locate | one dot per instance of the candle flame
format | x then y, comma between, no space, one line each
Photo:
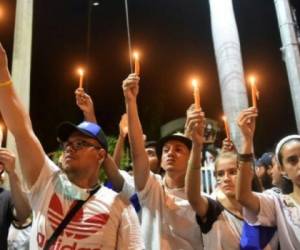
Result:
136,55
80,71
252,80
195,83
224,118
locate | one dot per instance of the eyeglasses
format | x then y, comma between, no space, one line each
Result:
77,145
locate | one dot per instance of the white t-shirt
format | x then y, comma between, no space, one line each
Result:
282,211
18,238
222,230
128,188
104,222
168,220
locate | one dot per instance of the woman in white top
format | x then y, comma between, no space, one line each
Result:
271,209
221,219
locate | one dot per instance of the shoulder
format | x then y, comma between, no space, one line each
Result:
214,210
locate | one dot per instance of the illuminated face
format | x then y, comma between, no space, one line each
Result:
81,155
291,161
226,175
153,160
175,156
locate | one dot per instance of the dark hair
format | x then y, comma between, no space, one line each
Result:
286,185
279,154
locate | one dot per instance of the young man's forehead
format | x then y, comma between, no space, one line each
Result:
174,143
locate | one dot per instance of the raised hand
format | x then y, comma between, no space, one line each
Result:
7,161
246,122
4,72
123,125
195,125
227,146
84,101
131,87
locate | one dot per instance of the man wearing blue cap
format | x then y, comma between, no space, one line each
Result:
70,208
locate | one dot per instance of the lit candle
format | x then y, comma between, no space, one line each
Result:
226,127
1,134
254,92
196,93
81,74
136,63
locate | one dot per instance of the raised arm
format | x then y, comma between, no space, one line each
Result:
19,198
119,148
30,151
195,128
246,121
141,169
85,103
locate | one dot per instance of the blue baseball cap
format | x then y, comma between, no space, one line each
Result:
93,130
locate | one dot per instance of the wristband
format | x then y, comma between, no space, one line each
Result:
245,157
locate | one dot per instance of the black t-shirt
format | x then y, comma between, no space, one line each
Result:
214,210
6,216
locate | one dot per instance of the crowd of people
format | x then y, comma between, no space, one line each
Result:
158,204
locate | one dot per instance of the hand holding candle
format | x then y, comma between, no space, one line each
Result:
136,63
81,74
254,91
196,94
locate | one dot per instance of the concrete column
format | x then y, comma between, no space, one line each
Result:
21,64
290,51
229,63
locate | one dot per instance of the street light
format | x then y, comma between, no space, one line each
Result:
91,3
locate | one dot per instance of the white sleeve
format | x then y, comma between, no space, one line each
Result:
267,211
48,170
128,188
151,191
130,236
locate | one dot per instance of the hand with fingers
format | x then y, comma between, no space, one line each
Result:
227,146
123,125
4,72
7,161
247,121
187,131
84,101
195,125
131,87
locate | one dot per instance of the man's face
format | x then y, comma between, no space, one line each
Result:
175,156
153,160
82,154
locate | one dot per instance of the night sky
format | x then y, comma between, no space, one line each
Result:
175,40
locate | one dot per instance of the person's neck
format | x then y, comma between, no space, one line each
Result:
296,193
174,180
231,204
81,182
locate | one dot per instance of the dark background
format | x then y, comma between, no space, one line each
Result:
175,40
